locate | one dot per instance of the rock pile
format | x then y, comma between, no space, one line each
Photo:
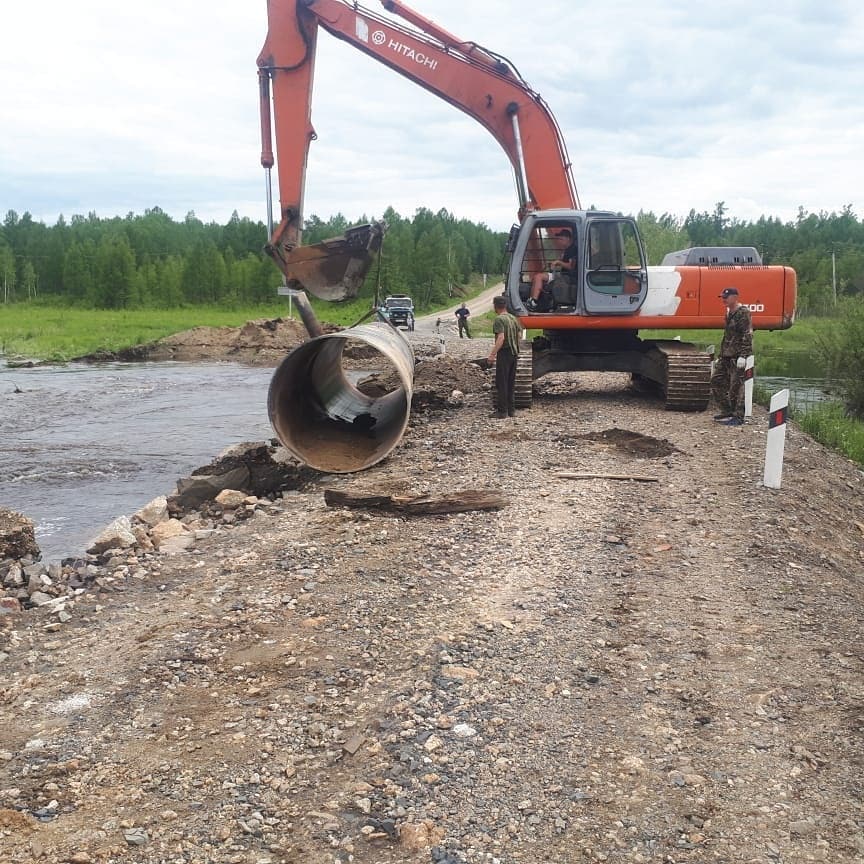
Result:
240,481
17,535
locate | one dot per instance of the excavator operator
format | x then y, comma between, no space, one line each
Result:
566,245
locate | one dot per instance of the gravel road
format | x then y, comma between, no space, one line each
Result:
662,670
479,305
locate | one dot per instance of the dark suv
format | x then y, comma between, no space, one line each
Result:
399,309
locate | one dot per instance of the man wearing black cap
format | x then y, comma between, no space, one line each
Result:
727,382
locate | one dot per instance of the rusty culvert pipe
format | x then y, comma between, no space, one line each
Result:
321,417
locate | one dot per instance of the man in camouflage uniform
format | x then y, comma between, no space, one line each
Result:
727,382
505,351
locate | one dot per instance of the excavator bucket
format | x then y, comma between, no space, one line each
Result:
333,269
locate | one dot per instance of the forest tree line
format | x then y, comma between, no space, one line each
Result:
152,260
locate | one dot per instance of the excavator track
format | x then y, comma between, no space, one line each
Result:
524,375
524,378
687,375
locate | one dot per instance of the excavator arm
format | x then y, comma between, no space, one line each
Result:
474,80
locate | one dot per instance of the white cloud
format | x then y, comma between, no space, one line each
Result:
665,106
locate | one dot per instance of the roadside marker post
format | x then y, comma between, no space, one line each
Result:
442,344
749,374
285,291
775,440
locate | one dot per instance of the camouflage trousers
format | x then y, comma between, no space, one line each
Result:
727,388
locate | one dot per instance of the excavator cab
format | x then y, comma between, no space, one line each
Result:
610,274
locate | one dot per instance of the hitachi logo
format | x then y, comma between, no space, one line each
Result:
417,56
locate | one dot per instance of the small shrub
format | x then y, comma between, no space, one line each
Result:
842,351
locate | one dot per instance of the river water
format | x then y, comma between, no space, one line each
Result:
82,444
804,393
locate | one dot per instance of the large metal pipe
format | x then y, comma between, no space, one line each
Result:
321,417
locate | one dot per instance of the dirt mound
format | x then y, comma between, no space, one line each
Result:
632,442
443,371
260,343
435,380
263,342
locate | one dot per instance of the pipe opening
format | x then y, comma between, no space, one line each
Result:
323,412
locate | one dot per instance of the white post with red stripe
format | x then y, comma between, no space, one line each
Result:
775,441
749,374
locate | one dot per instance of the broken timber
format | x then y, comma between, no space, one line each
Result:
417,505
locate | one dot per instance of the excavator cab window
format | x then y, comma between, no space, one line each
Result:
614,259
616,278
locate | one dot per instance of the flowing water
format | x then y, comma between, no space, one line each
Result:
82,444
804,393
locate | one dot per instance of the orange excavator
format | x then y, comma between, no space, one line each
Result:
590,312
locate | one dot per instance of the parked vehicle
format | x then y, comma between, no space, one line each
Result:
399,310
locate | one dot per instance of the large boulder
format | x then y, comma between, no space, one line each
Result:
254,468
154,512
271,468
193,491
17,535
164,531
117,535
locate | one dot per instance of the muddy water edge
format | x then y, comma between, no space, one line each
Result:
81,444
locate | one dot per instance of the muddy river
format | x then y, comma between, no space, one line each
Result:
81,444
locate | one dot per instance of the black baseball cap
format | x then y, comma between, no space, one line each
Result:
562,231
728,292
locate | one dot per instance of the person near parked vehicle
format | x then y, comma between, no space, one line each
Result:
727,382
504,353
565,262
462,314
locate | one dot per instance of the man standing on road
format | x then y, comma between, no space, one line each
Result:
462,314
727,382
504,353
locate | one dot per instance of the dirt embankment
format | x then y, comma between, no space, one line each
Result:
262,343
604,670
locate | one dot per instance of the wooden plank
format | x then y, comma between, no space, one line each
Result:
417,505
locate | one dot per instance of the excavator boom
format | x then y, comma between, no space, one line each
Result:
473,79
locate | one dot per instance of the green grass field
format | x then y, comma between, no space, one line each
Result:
790,353
55,333
43,332
51,333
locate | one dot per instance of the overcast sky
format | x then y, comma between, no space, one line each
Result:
665,106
